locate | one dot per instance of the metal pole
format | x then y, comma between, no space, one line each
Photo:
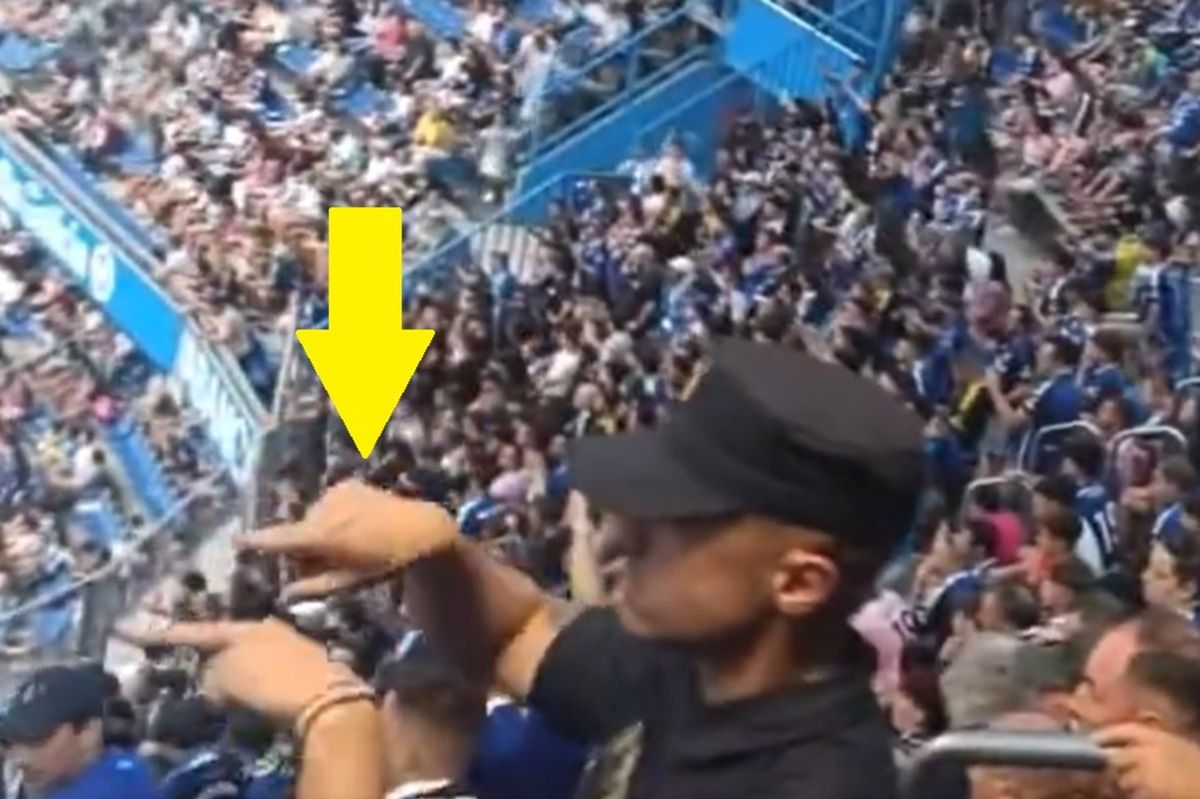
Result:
1021,749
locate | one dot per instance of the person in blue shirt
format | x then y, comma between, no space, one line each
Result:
1174,479
1172,573
1083,462
1058,399
53,729
1166,309
186,736
1102,373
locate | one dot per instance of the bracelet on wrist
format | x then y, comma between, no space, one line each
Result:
334,697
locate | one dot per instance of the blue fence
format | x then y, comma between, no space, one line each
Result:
574,99
115,272
786,54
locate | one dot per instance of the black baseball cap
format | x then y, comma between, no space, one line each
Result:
773,432
52,697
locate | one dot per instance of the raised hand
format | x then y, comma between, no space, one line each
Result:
355,534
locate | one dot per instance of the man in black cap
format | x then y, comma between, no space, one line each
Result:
750,526
53,732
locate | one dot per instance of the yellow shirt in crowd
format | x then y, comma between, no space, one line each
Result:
434,131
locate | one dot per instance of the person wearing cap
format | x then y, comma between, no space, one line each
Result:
53,732
749,527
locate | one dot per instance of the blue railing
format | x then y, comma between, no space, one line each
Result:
800,59
574,99
504,232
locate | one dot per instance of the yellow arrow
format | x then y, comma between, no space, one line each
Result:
366,358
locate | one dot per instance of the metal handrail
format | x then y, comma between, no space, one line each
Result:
568,77
1022,749
1146,431
1032,445
110,568
562,135
1017,478
501,217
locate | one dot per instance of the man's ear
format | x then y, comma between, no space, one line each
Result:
803,581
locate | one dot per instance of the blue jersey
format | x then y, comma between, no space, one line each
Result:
116,774
1098,512
1056,401
1174,301
208,775
1169,525
1102,382
933,376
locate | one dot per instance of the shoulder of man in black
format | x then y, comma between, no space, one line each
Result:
824,740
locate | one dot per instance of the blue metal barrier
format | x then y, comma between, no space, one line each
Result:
506,232
575,99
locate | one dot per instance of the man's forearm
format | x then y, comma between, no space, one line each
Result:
343,755
493,620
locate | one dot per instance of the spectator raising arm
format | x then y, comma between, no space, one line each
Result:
492,619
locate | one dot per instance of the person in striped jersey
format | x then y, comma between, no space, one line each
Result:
1083,462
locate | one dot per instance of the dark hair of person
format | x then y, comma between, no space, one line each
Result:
119,723
1185,552
1111,343
1178,471
434,692
194,581
1065,527
1058,488
250,731
1017,601
1173,675
1086,452
1066,352
1074,575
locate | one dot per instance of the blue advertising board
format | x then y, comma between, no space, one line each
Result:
108,275
210,380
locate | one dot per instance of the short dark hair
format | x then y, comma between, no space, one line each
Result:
1185,551
1066,351
194,581
1058,488
1179,472
1018,603
434,692
1086,452
1166,630
1110,342
1065,526
1074,575
1173,675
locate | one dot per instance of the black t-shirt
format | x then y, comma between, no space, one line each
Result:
824,740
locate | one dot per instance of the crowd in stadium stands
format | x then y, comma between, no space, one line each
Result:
254,117
93,446
1062,590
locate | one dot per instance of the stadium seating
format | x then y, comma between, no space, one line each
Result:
135,454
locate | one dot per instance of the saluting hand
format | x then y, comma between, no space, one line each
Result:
353,535
1151,764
